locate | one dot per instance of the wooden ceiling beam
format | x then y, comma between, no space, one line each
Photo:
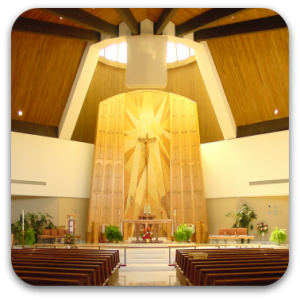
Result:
54,29
85,19
246,27
34,128
263,127
206,19
164,19
129,19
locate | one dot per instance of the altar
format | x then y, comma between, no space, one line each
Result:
140,223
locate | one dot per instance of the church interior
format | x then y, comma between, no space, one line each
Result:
144,120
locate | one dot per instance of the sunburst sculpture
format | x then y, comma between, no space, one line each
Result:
147,164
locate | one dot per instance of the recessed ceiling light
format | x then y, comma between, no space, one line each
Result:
276,111
20,113
61,18
232,17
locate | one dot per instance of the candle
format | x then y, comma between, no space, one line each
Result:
174,212
22,219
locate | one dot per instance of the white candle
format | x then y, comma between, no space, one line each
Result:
22,219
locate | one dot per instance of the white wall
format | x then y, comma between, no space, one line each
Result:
65,166
229,166
218,208
34,205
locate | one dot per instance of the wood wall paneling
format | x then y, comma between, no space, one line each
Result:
42,61
109,81
254,71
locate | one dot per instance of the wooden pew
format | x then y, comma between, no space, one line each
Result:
85,278
90,272
226,254
201,277
115,261
227,263
183,257
180,253
245,282
195,280
65,262
99,272
210,278
51,281
234,259
192,262
108,260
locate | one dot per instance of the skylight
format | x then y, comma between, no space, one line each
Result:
182,52
171,52
122,53
175,52
111,52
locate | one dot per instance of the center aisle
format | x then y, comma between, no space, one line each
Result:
147,275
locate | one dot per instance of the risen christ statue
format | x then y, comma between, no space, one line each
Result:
147,141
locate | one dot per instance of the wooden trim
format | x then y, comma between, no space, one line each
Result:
263,127
246,27
54,29
206,19
164,19
85,19
129,19
33,128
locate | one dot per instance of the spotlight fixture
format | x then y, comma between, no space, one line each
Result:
20,113
276,111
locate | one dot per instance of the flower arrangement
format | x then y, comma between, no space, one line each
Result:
69,239
262,227
147,233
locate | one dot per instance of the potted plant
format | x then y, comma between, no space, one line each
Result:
29,236
183,233
113,234
242,217
278,235
35,221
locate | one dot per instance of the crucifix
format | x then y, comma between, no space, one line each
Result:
147,141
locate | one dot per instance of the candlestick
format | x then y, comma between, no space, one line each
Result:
22,219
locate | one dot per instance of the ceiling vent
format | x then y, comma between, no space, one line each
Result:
28,182
275,181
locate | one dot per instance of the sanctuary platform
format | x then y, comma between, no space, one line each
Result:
156,254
